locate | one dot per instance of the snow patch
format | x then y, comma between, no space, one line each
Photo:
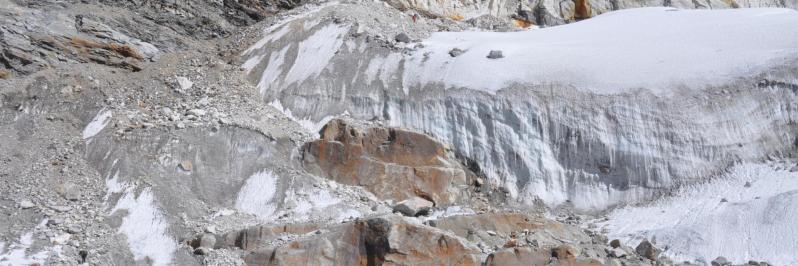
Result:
449,211
757,221
257,195
272,71
97,124
144,225
271,34
316,52
17,254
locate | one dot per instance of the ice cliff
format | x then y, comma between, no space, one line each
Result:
598,112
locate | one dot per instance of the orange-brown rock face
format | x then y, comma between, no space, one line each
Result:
528,256
503,223
378,241
392,163
582,10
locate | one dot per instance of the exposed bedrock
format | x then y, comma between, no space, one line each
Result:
376,241
395,240
553,142
392,163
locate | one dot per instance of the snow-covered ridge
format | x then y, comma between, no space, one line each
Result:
653,48
599,112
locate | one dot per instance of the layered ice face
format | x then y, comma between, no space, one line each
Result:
616,109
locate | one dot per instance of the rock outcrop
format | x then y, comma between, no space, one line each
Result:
536,256
392,163
376,241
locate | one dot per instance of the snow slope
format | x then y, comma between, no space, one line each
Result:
653,48
758,221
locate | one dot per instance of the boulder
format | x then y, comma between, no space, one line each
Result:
183,83
402,37
495,54
394,164
647,250
26,204
201,251
615,243
563,253
372,242
617,252
455,52
413,206
186,166
69,191
207,241
720,261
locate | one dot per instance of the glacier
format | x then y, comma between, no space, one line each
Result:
597,113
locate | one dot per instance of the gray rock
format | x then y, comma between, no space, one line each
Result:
401,37
60,208
69,191
197,112
747,184
26,204
201,251
210,229
617,253
74,229
207,241
495,54
647,250
455,52
413,207
720,261
183,83
794,169
186,166
532,242
615,243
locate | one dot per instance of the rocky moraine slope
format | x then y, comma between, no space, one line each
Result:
501,132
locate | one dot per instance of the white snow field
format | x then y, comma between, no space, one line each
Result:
652,48
758,221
